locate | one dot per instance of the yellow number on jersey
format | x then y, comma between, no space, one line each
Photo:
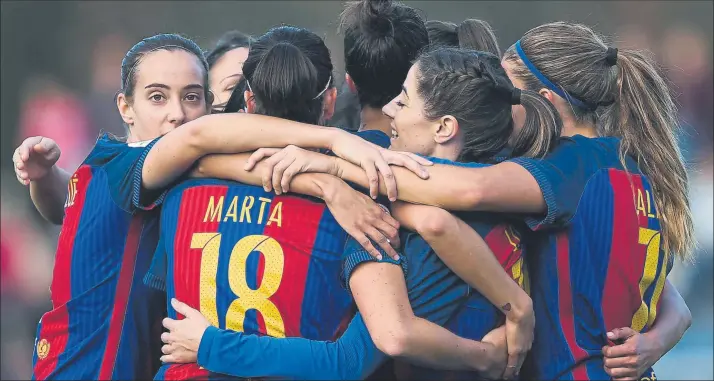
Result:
646,315
248,299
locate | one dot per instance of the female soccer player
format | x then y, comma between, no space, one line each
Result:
225,66
103,317
460,109
120,179
612,195
469,34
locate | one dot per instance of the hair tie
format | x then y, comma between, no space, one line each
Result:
611,57
515,96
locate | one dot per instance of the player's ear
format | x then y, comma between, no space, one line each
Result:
328,103
446,129
547,94
350,83
125,109
249,101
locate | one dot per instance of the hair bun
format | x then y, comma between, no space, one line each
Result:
376,19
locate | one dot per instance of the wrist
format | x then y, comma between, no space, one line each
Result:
521,308
656,342
330,135
478,356
327,186
48,177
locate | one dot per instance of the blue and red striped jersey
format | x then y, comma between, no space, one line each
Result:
104,321
596,262
252,262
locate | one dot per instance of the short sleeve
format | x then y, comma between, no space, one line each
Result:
355,255
124,175
562,177
156,276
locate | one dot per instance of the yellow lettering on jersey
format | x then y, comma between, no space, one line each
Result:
640,203
210,244
276,215
232,210
71,191
649,205
213,210
245,209
263,202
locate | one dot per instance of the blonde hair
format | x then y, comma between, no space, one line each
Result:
627,98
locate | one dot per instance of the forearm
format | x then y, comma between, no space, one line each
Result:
226,133
230,167
50,193
504,187
469,257
433,346
352,357
381,296
673,320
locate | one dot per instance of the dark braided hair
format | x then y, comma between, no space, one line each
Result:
472,87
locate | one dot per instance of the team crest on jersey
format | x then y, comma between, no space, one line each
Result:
43,349
71,191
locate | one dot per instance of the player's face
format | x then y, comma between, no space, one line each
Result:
518,112
411,131
169,92
225,74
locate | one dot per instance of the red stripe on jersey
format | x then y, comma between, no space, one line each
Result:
621,295
300,224
187,265
54,333
121,298
505,245
185,372
565,304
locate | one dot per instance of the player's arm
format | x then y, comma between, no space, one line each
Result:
466,253
49,194
35,165
673,320
380,291
177,151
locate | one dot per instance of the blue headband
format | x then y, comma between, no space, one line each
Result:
550,85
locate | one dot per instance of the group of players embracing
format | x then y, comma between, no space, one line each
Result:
497,216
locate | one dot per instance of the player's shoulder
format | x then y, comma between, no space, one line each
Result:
108,147
375,137
438,160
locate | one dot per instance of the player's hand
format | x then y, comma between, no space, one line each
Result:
498,355
184,336
374,159
629,360
281,165
363,219
519,336
34,158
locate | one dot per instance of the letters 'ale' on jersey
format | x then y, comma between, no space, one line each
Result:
251,262
597,260
104,321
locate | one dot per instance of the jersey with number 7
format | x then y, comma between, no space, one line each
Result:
597,260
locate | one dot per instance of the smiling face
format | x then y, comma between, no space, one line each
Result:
411,130
225,74
169,92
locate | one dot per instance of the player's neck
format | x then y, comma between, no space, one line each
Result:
572,127
374,119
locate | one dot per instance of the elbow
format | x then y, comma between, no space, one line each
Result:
435,224
393,342
686,317
473,196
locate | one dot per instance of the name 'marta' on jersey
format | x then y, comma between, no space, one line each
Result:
604,267
252,262
102,314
